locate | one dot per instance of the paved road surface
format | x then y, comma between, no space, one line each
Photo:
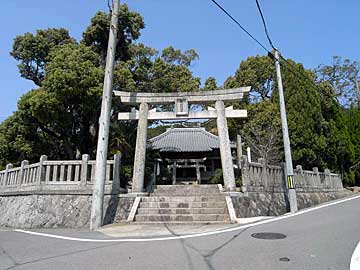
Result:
320,239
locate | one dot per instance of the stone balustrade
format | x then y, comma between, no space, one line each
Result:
58,177
259,176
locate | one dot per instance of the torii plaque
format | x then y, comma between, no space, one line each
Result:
181,101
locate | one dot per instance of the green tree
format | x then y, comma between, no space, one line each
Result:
257,72
64,107
261,131
318,133
147,71
352,118
32,51
97,33
343,76
210,84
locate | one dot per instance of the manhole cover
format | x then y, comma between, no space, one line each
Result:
269,235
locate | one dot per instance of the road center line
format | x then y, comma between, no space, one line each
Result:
286,216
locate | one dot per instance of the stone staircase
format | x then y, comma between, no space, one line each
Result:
183,204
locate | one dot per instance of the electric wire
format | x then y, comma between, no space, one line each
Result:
109,6
264,23
291,68
241,27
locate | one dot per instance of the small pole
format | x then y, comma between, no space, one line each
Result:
289,173
116,174
238,150
174,173
84,168
248,152
104,124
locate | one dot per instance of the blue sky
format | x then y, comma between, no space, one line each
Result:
308,31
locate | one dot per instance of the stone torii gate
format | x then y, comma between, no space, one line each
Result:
181,100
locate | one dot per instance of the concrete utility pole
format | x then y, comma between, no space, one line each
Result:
104,124
289,173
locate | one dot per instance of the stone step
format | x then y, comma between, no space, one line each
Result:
184,199
179,223
185,190
182,204
188,218
180,211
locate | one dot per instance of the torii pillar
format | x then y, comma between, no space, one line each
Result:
140,150
225,149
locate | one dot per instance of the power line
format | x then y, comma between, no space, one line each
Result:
291,68
241,27
264,23
109,6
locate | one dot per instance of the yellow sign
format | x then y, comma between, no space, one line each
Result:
290,181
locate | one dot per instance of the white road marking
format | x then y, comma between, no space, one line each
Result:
286,216
355,258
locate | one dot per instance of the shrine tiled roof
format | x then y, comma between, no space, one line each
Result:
185,140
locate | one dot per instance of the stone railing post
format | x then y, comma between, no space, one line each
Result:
22,169
116,172
263,178
8,167
328,182
41,171
84,168
317,180
300,177
245,178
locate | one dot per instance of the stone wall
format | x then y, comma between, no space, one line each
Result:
52,211
255,204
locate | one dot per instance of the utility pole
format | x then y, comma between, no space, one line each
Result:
104,124
289,172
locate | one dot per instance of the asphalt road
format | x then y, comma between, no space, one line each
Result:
320,239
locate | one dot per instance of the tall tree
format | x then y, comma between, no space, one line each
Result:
344,78
147,71
210,84
97,33
65,108
33,50
318,134
257,71
261,131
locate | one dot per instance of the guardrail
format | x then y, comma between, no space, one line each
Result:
57,176
259,176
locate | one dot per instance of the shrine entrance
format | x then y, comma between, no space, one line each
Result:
188,155
181,102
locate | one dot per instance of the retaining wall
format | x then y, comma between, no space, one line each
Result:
53,211
255,204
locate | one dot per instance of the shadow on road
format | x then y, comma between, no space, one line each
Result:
206,256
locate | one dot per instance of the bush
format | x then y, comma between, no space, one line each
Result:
217,178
